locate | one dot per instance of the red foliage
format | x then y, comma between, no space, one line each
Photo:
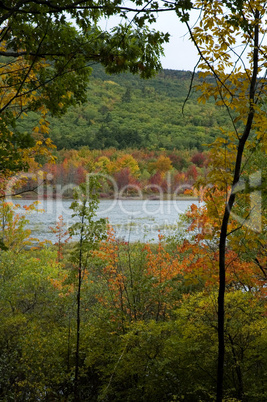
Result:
178,162
157,183
124,178
199,159
192,173
80,175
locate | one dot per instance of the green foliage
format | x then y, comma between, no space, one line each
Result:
90,233
89,230
14,233
123,111
126,351
46,50
33,342
140,323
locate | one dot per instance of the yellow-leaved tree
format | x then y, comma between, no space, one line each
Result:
229,37
18,150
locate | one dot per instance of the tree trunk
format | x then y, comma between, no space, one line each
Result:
227,212
78,319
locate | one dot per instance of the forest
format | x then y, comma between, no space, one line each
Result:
147,312
92,317
125,111
125,173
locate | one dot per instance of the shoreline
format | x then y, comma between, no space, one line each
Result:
166,197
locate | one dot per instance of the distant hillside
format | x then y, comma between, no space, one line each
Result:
124,111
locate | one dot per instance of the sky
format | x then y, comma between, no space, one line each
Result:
180,53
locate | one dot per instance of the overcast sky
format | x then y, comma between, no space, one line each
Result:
180,53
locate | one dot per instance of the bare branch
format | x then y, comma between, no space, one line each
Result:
191,85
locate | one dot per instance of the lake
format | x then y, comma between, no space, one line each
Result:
132,220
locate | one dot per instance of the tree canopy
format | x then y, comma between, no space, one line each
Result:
46,50
120,112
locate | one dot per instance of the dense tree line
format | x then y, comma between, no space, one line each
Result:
124,111
129,172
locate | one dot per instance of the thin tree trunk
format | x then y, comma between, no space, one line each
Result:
78,320
227,212
77,354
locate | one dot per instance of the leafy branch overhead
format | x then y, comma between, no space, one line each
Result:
46,52
46,32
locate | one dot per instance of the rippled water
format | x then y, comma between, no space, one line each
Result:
132,220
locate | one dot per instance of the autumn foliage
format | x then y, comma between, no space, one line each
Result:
140,289
129,171
150,306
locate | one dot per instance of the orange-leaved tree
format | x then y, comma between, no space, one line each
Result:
201,255
62,235
140,280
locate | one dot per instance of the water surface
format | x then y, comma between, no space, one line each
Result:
132,220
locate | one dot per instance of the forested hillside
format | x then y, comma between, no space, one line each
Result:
126,111
94,317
